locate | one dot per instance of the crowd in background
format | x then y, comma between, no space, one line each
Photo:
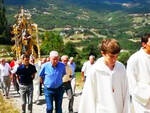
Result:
9,72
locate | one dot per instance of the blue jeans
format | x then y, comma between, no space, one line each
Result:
56,95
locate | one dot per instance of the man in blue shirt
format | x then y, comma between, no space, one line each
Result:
51,75
25,74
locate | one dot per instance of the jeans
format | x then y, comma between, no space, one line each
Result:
68,90
56,95
26,93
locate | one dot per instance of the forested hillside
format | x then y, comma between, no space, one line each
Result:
85,23
131,6
113,18
86,13
4,34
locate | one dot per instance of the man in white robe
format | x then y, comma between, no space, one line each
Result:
86,67
36,82
106,88
138,72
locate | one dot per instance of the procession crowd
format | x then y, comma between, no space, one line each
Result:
109,86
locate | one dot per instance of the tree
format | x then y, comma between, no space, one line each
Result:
51,41
91,49
70,50
4,33
123,57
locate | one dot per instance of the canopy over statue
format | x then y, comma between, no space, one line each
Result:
25,35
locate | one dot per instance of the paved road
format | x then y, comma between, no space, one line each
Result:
41,108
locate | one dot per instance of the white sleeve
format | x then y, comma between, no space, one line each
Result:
132,74
8,66
14,69
88,97
84,67
126,97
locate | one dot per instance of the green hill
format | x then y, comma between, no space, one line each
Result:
86,13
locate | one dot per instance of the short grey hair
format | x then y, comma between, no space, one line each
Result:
64,56
91,56
53,54
3,59
71,58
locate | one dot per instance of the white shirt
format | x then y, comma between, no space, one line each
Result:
86,68
105,91
5,69
13,71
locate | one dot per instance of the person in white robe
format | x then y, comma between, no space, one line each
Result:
86,67
106,88
138,73
36,82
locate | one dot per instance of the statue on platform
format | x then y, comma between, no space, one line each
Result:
25,35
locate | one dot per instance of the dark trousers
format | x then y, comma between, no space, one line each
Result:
56,95
40,89
15,83
68,90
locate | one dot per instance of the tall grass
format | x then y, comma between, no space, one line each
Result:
79,82
6,106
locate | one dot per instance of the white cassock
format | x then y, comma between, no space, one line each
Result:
36,84
138,73
105,91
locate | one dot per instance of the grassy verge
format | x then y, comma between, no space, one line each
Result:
6,106
79,82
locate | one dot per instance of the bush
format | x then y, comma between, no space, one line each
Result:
123,57
69,49
51,41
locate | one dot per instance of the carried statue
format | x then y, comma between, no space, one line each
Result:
25,35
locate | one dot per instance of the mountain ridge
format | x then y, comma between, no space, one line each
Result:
131,6
103,14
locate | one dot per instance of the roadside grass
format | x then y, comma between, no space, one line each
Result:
79,82
6,106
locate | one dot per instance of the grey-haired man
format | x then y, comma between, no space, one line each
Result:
51,74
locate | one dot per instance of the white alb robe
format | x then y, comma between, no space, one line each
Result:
105,91
138,73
